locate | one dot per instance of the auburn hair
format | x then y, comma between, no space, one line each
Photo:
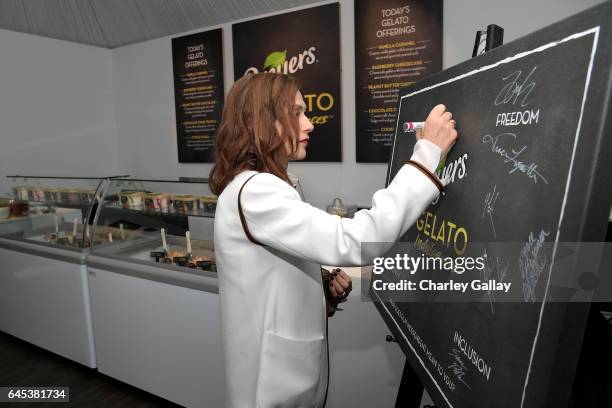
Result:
248,137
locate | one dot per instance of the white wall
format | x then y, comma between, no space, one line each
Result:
56,107
518,18
72,109
144,98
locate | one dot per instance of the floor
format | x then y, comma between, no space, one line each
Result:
23,364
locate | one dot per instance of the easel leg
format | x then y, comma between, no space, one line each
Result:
410,390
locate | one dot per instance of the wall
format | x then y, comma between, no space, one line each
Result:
68,108
144,98
56,107
518,18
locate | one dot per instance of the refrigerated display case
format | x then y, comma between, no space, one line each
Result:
154,292
44,209
161,223
44,240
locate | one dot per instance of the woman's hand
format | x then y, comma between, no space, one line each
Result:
439,129
340,285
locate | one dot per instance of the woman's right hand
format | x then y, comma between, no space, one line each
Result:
439,129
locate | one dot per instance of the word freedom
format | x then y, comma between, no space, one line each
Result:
517,118
450,286
413,264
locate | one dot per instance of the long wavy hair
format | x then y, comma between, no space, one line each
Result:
248,137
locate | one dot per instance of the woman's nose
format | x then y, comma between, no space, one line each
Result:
309,126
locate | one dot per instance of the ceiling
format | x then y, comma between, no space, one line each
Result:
113,23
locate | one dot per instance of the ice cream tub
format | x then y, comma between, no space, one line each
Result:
208,203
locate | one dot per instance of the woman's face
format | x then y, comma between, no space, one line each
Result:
306,127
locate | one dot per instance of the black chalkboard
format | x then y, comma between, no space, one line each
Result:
542,176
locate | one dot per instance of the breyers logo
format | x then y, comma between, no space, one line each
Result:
454,170
448,173
277,61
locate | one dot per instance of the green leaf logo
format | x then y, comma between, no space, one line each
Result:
274,59
441,165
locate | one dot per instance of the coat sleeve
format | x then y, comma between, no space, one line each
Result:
276,216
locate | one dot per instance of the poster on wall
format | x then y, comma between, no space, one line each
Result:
198,93
397,43
305,44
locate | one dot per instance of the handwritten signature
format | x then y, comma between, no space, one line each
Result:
489,203
493,269
458,366
513,90
532,261
530,170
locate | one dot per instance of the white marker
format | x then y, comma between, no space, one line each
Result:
87,230
74,227
163,235
110,237
412,126
121,232
188,237
56,225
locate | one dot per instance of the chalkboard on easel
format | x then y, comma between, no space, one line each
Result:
532,166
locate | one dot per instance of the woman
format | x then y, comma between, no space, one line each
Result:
269,244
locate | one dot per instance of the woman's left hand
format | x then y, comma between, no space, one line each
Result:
340,285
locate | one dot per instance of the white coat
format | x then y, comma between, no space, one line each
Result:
272,302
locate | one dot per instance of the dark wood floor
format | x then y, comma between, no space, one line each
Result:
23,364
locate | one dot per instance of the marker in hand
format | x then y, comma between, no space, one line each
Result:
413,126
410,127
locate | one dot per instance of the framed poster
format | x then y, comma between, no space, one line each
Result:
305,44
397,43
198,93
